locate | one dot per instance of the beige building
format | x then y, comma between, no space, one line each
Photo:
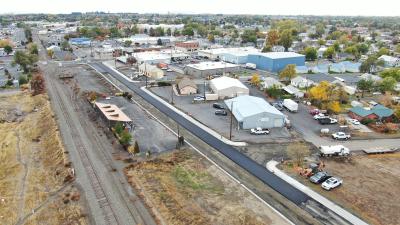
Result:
187,86
151,71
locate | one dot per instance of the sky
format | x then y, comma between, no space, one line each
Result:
263,7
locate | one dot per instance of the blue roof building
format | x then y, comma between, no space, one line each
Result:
80,41
381,112
276,61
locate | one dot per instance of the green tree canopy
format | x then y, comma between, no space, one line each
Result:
310,53
288,73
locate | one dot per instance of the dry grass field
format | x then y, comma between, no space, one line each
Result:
185,188
35,172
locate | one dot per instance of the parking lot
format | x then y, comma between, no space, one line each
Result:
205,113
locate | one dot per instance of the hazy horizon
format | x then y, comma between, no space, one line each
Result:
249,7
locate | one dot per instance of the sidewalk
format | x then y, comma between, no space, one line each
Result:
202,126
271,166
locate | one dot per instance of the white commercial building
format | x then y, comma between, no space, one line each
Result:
152,57
232,55
227,87
204,69
251,112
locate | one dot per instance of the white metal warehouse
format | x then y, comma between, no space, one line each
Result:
227,87
251,112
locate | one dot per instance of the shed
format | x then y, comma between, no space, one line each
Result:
227,87
187,86
251,112
294,91
269,82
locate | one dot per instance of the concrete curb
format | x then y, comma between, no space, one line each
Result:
202,126
271,166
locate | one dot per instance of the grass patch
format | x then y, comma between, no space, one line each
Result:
195,180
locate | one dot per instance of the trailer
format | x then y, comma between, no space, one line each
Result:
290,105
379,150
334,150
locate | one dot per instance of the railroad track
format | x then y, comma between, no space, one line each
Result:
101,197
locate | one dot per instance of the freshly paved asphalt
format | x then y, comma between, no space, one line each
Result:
240,159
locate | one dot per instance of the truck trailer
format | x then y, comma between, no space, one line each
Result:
290,105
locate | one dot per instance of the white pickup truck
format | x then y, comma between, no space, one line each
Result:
341,136
259,131
334,150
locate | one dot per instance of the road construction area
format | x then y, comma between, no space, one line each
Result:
186,189
370,186
36,176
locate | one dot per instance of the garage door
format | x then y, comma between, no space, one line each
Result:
278,123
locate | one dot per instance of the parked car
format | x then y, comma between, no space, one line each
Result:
314,112
259,131
218,106
331,183
327,120
278,106
354,121
341,136
320,177
221,112
169,70
198,98
320,116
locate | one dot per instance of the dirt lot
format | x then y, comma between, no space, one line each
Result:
370,187
187,189
35,172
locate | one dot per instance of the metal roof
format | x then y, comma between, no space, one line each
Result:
246,106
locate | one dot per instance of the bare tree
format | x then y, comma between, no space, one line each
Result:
297,151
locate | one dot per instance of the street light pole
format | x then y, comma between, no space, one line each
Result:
172,93
230,127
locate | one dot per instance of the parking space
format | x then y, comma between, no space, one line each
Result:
205,113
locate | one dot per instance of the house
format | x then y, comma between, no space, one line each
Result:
321,51
269,82
390,61
378,112
251,112
227,87
80,41
276,61
368,76
187,86
294,91
151,71
301,82
302,69
321,68
204,69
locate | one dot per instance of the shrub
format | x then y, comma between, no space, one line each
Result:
118,128
23,80
367,121
125,138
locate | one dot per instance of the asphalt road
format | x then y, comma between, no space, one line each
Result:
242,160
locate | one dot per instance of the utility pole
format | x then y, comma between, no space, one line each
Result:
204,90
172,93
230,127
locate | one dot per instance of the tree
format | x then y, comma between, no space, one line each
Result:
398,48
211,38
188,31
320,29
118,128
127,43
362,48
159,32
387,84
152,32
288,73
33,49
8,49
169,32
22,80
125,138
249,36
311,53
352,50
159,42
286,39
370,64
319,94
334,107
391,72
329,53
65,46
255,80
24,60
297,151
365,85
50,53
38,84
136,149
267,48
321,41
383,51
273,37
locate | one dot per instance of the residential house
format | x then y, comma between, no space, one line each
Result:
378,112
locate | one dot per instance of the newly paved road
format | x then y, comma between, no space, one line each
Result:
242,160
